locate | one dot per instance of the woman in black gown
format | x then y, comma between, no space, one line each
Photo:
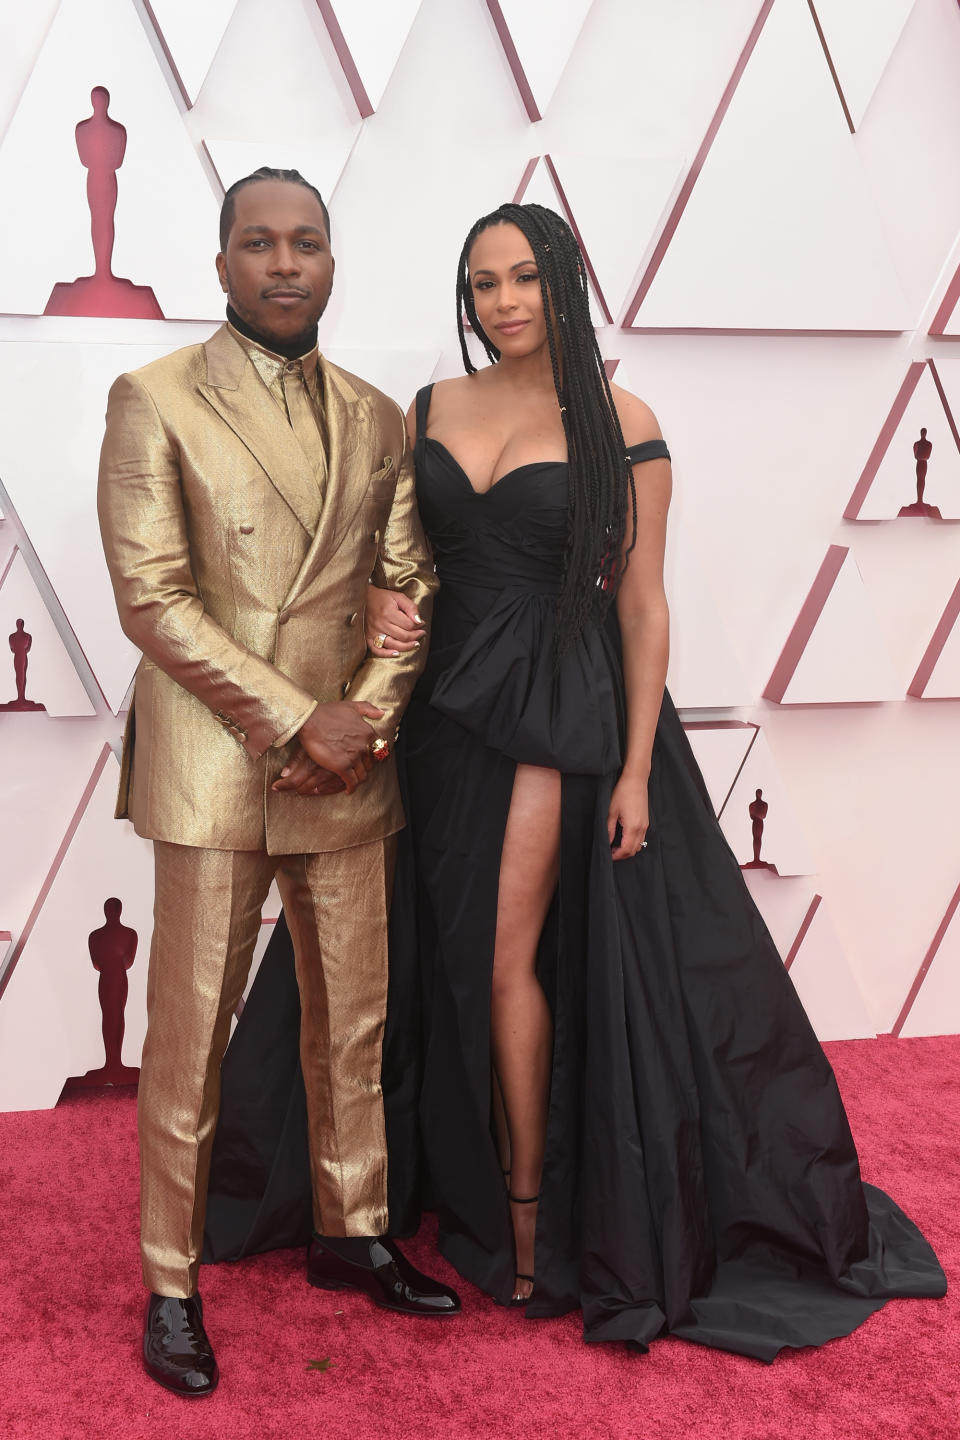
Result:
590,965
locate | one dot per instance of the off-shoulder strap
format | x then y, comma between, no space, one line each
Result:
646,450
423,406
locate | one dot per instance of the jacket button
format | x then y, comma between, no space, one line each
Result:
283,617
374,536
352,619
345,687
246,529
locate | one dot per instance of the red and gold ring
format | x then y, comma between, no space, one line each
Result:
379,750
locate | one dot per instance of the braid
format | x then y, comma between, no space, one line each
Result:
596,453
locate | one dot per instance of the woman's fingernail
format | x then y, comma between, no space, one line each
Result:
416,644
395,654
285,772
418,620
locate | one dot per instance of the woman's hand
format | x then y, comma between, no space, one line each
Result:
392,623
629,809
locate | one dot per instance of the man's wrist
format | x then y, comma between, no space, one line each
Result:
294,730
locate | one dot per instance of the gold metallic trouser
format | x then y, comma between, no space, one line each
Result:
206,923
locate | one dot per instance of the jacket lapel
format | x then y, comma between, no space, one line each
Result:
351,461
238,395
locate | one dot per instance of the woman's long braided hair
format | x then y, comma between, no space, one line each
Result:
599,474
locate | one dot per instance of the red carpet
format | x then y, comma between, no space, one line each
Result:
71,1308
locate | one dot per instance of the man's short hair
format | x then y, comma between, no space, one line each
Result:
266,172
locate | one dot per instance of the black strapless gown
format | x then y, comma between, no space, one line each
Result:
700,1177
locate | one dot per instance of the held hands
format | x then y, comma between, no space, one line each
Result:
392,623
334,752
629,810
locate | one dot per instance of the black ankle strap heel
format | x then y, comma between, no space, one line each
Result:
518,1300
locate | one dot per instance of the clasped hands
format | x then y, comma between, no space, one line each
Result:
333,752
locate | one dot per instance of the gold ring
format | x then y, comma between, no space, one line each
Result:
380,641
379,749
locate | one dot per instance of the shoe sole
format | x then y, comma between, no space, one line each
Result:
175,1389
381,1304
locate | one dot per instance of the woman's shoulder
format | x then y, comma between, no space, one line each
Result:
448,394
637,420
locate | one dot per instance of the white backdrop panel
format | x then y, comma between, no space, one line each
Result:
769,433
829,990
51,679
542,33
60,514
374,35
780,232
894,484
936,1009
191,34
861,36
784,844
166,210
46,766
50,1016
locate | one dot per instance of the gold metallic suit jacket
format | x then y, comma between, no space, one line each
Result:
245,618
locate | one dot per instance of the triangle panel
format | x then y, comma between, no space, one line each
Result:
621,200
37,674
538,49
720,751
164,210
540,185
779,230
304,117
22,41
946,321
322,161
50,474
781,842
835,653
827,986
45,770
933,1005
368,40
914,469
705,672
190,35
50,1017
938,674
860,37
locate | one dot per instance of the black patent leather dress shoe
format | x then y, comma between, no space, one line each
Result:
176,1351
384,1274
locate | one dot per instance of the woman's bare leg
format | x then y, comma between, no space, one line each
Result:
521,1026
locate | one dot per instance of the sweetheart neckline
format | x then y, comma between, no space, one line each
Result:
517,469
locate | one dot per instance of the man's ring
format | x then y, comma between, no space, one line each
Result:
379,749
380,641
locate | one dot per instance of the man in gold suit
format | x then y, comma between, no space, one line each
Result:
248,491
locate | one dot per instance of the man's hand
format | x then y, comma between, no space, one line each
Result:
305,778
335,738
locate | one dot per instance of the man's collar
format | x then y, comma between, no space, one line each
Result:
268,363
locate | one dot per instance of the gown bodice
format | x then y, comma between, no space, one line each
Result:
512,535
499,555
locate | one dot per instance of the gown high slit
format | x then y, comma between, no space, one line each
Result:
699,1178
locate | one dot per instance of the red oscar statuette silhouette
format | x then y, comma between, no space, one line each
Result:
113,949
922,450
20,642
101,142
758,813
